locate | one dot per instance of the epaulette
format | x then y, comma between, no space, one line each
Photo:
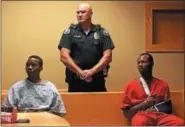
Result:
98,27
73,25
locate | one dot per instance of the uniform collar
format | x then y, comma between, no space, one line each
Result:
93,27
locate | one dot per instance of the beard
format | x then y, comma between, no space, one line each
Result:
145,72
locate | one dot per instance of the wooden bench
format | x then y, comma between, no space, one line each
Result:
103,109
92,109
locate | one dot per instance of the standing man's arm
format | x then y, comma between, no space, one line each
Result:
68,61
104,61
65,50
107,47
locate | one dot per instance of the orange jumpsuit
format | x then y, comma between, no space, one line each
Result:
134,94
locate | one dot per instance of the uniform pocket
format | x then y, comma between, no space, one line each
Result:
77,41
97,44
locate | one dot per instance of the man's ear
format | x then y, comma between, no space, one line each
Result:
91,13
152,64
41,68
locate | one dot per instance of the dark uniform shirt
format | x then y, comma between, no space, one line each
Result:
86,49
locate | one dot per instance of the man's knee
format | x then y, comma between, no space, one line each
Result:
139,120
171,120
176,122
179,122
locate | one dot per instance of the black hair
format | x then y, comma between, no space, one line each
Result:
38,58
150,57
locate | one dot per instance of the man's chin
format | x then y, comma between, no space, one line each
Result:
142,72
81,21
31,75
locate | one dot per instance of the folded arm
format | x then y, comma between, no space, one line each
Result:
130,111
69,62
103,62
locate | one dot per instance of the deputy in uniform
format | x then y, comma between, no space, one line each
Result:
85,49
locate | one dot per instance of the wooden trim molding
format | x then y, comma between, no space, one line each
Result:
165,26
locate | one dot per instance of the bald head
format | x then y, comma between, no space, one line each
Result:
84,13
85,6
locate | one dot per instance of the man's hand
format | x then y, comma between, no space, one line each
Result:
89,79
82,75
150,101
151,109
88,75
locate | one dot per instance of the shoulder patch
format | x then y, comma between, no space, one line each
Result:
98,27
73,26
105,32
67,31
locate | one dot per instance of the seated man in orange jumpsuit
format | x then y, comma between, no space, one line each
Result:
146,101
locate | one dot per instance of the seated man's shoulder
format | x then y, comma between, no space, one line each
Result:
132,82
161,82
49,84
19,84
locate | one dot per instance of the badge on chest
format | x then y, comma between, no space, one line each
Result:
96,35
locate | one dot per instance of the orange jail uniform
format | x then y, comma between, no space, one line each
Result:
134,94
